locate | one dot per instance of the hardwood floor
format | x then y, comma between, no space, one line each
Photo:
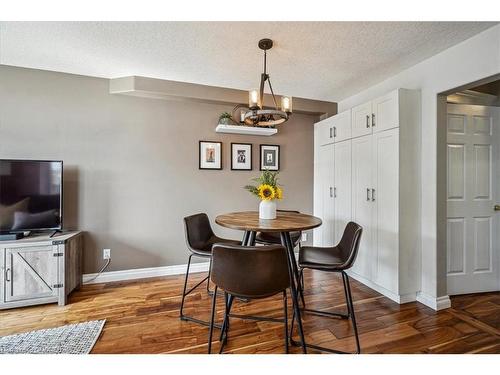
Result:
142,317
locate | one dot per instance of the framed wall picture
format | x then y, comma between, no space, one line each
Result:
241,156
210,155
270,157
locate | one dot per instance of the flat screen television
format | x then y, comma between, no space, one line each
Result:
30,195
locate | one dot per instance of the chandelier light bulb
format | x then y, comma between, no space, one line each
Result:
286,104
253,99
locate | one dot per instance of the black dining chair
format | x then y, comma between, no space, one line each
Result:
334,259
199,239
274,238
250,272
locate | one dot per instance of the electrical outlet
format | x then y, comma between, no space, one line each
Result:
304,237
106,253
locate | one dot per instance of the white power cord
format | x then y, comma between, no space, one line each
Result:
100,271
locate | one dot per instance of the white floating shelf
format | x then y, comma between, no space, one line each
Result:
246,130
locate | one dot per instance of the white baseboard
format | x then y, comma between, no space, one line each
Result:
142,273
435,303
438,303
398,298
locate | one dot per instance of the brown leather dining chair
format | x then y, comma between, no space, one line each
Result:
334,259
199,239
248,272
274,238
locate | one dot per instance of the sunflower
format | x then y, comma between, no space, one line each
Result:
279,193
266,192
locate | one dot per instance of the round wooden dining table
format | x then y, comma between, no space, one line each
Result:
285,222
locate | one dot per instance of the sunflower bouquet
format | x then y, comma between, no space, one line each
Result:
268,188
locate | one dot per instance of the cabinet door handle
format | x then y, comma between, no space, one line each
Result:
335,192
373,119
367,121
334,132
373,195
331,133
7,275
331,192
367,194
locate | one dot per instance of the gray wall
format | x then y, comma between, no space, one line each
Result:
131,164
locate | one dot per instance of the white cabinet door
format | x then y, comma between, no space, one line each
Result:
325,131
385,197
318,185
31,272
362,205
361,117
342,189
386,112
342,126
328,218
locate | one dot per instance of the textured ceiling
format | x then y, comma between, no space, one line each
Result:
318,60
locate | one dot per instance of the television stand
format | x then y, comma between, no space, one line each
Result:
39,269
55,232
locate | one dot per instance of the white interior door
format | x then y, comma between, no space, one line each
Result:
362,206
343,187
473,225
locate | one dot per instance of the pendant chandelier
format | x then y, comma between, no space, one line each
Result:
256,114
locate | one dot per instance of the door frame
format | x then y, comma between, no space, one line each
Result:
442,184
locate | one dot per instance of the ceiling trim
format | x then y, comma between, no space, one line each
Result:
173,90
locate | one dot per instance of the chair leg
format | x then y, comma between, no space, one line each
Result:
350,314
208,280
225,323
212,316
225,326
351,311
285,310
185,286
186,293
326,313
346,296
300,285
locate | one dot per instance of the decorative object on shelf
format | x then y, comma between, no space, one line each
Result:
241,156
256,114
268,190
210,155
226,119
269,157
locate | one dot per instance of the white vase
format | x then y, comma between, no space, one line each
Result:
267,210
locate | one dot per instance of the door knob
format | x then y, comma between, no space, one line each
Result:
497,207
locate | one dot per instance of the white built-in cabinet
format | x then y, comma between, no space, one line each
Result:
371,176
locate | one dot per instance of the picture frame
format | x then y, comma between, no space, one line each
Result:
241,156
210,155
269,157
